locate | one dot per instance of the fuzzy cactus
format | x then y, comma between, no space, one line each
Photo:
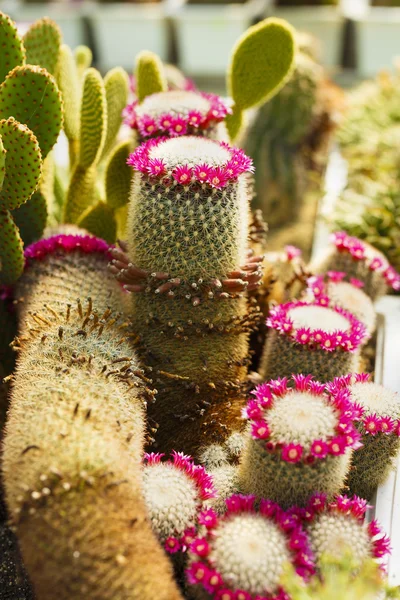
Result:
359,260
174,493
75,432
149,75
379,426
187,268
311,338
42,43
349,295
243,553
300,441
337,527
13,51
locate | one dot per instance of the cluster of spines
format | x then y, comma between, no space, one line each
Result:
203,570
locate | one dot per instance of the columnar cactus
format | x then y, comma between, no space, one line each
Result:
311,338
243,553
300,441
347,294
187,269
359,260
74,436
380,430
337,527
174,493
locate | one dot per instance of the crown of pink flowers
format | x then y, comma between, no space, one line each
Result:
269,392
174,124
202,570
344,340
359,252
372,423
217,177
353,507
203,483
68,243
318,285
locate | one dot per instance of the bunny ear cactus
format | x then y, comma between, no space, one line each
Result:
261,62
83,59
42,43
12,48
70,88
149,75
116,86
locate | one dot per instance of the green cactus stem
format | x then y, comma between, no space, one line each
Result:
116,86
99,220
149,75
70,88
261,62
300,440
81,193
83,59
361,261
75,433
23,163
379,426
31,218
30,95
11,249
311,338
42,43
187,268
12,48
118,177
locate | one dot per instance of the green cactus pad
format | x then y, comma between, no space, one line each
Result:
11,249
30,94
234,123
12,48
83,59
22,166
81,193
261,61
99,220
149,73
42,43
31,218
117,86
118,176
68,82
93,127
3,153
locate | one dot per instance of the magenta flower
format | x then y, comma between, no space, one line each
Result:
182,174
372,424
292,252
356,282
214,581
319,449
165,122
208,518
200,547
264,395
217,177
278,386
147,126
387,424
376,263
303,335
260,430
302,382
224,594
202,172
195,118
197,573
292,453
172,545
336,276
338,445
178,126
252,410
156,166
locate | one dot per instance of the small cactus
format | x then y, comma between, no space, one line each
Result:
359,260
243,553
379,426
187,269
174,493
42,43
300,441
149,75
311,338
337,527
13,51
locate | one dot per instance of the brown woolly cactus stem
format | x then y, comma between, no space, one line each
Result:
188,267
74,436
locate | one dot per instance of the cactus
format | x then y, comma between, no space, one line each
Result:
225,480
70,88
311,338
83,59
261,62
300,441
76,443
149,75
41,108
361,261
42,43
337,527
13,51
186,269
347,294
243,553
116,87
380,430
31,218
174,493
11,249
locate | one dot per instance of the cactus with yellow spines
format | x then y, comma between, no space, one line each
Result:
187,268
83,59
116,86
149,74
76,443
42,43
13,53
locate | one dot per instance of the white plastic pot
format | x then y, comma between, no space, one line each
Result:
120,31
378,39
207,33
325,23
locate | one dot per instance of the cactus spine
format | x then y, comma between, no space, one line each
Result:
300,441
187,270
75,433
